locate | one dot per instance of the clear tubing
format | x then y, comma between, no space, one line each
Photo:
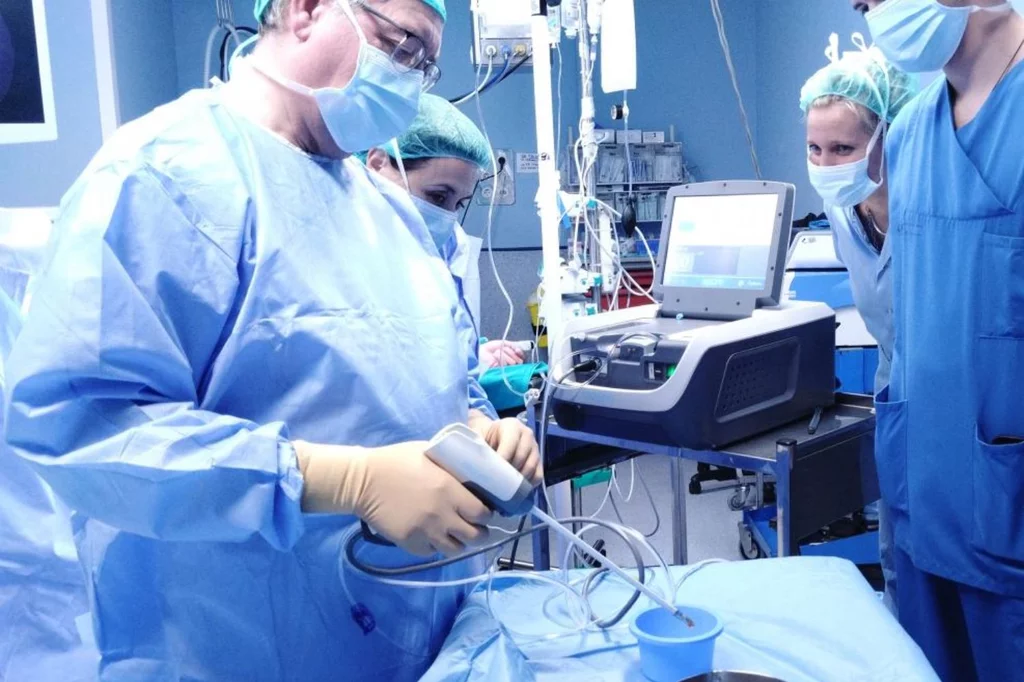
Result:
570,537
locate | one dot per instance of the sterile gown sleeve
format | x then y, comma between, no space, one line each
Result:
106,377
454,255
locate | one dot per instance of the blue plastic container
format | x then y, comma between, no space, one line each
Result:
670,650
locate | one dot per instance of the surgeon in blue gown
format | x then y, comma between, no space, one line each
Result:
239,348
849,104
439,160
950,436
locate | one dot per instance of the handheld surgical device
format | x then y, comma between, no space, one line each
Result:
465,455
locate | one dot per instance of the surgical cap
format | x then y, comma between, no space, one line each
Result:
442,131
865,78
262,6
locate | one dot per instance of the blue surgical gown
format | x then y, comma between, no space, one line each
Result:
456,255
43,602
950,427
870,280
216,293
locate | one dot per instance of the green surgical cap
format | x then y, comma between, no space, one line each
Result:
442,131
865,78
262,5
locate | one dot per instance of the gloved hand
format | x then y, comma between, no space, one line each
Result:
499,354
397,490
513,440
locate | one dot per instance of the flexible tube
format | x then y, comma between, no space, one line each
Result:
388,575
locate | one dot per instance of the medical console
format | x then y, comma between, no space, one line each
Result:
720,358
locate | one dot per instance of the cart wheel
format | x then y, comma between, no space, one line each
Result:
695,488
749,549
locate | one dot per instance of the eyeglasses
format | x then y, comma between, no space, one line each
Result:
409,53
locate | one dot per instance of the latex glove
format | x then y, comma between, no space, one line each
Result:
500,354
513,440
397,490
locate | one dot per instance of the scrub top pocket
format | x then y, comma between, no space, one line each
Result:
998,480
891,452
1001,307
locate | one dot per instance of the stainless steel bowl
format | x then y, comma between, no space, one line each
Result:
724,676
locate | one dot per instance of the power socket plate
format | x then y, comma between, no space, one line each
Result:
506,181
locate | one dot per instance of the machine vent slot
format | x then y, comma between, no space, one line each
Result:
758,377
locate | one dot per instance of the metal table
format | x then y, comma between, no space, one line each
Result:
819,477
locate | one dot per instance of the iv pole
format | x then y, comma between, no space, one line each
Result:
547,209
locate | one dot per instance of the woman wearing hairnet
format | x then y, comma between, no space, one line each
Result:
240,347
950,425
849,104
440,159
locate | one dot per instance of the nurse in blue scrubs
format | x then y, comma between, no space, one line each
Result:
849,104
951,423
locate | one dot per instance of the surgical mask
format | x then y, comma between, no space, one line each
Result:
440,223
919,36
849,184
377,105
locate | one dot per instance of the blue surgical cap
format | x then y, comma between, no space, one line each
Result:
442,131
865,78
262,5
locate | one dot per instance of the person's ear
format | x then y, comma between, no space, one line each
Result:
377,159
299,19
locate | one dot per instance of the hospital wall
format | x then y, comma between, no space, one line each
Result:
144,55
682,81
38,173
791,38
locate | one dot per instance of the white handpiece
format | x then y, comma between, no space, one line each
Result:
461,452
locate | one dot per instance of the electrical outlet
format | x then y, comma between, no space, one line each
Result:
506,185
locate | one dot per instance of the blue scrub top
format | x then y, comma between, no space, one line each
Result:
950,434
870,280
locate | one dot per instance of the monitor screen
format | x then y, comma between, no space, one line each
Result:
720,242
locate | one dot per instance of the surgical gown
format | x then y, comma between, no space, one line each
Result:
456,254
950,426
216,293
43,604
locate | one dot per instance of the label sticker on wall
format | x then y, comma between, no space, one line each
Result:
526,163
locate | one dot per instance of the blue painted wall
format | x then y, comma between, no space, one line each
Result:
38,173
144,55
192,21
682,81
791,38
509,121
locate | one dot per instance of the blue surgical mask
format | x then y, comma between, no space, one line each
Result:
849,184
920,36
378,104
440,223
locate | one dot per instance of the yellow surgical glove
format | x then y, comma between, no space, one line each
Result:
513,440
397,490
